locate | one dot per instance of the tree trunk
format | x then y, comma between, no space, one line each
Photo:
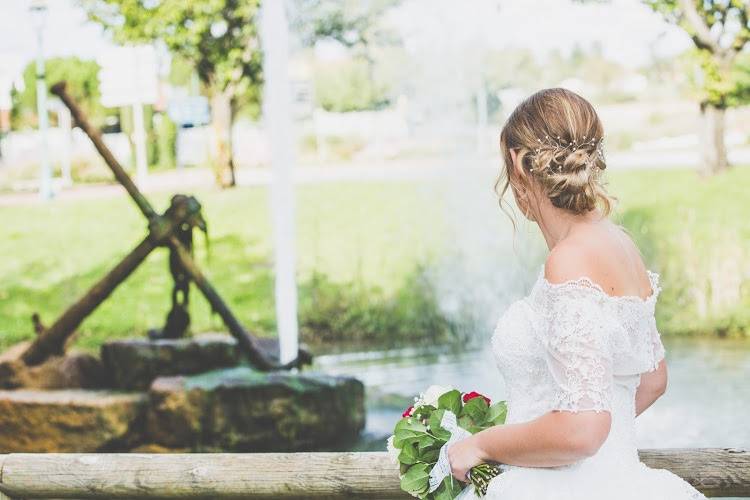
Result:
222,159
713,150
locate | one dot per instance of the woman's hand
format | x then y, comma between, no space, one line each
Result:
462,456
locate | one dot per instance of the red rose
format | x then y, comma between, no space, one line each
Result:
473,394
407,412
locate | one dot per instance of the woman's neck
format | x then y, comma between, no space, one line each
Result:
556,224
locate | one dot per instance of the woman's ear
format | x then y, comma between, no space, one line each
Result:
517,163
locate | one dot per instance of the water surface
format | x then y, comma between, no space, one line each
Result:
706,404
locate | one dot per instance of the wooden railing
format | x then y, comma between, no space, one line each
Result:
717,472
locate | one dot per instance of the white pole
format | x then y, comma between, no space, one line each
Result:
65,122
278,120
39,10
139,138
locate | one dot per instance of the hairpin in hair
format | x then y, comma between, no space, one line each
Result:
557,144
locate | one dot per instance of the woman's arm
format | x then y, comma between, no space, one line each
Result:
653,385
553,439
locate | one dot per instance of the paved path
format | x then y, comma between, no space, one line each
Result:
191,179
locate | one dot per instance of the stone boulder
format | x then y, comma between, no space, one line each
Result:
134,363
69,420
75,370
240,409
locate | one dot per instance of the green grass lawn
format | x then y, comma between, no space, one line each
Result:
353,233
696,233
372,238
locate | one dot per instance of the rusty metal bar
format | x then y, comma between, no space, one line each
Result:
59,89
52,340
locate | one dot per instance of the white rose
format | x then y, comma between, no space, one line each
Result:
431,395
393,452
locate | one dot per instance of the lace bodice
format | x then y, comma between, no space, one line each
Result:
572,347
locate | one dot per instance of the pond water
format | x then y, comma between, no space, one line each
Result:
706,404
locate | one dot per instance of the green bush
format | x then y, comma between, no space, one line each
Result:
356,313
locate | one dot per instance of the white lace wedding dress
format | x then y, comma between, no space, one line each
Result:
571,346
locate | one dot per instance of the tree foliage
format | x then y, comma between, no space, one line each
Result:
352,84
720,30
218,37
83,84
356,24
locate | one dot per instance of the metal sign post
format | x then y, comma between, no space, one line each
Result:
39,13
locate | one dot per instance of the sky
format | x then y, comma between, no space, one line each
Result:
628,31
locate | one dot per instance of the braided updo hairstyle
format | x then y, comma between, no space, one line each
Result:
557,137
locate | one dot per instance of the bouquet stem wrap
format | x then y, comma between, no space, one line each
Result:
442,467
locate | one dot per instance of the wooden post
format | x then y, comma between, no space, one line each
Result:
714,471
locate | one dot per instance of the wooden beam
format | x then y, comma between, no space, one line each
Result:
3,496
714,471
717,472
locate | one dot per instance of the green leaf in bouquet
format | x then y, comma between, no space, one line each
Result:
411,424
427,442
435,429
406,430
403,468
409,454
424,411
451,400
422,440
416,479
429,456
465,421
476,408
497,413
409,441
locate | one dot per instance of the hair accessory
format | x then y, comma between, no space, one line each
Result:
558,145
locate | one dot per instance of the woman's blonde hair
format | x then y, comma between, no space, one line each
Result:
558,137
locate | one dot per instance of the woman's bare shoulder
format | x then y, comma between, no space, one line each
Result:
610,260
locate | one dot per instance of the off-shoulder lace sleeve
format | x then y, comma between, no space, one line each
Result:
656,345
577,348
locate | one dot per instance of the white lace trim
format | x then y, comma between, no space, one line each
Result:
585,281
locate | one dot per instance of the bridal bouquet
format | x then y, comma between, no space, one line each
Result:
439,417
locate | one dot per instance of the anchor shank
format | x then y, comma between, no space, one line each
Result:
59,89
52,340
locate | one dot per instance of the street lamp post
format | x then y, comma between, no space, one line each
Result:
38,14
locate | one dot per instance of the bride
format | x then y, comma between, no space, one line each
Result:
581,354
